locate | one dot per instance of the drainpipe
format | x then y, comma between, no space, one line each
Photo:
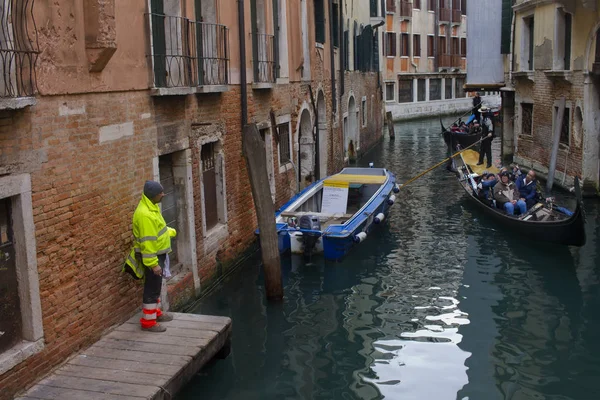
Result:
436,34
331,56
512,50
412,55
375,28
243,82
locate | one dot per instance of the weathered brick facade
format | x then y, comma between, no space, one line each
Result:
92,139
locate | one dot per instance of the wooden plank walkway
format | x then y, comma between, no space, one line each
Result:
130,364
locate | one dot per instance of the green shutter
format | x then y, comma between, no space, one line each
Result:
159,45
319,21
507,14
335,20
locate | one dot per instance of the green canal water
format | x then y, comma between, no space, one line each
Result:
438,304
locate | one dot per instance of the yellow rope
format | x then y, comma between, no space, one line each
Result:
440,163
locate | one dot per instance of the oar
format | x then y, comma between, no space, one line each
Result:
441,162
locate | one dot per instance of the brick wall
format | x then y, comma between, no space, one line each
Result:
544,92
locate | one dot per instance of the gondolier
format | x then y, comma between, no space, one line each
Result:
487,135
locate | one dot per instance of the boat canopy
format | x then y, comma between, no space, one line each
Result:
355,179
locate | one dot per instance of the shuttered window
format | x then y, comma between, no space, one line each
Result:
319,21
405,91
505,38
431,5
335,20
430,46
404,45
463,47
417,46
417,4
390,44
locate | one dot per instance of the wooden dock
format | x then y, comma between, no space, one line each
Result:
130,364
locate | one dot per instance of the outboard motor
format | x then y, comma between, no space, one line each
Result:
312,223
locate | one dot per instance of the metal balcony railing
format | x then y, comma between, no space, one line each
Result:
406,9
187,53
19,49
456,16
264,58
445,15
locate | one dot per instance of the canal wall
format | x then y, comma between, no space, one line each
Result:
418,110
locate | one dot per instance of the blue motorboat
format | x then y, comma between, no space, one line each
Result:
332,215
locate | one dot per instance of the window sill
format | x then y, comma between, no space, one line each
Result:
214,237
564,75
16,103
212,89
263,86
287,167
319,45
19,353
528,75
173,91
283,81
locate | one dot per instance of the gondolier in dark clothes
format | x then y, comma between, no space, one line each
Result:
487,135
477,106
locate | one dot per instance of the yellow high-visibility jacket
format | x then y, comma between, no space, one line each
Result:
151,236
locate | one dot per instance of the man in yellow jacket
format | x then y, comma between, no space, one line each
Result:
152,244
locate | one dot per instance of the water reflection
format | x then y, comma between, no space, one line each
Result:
440,304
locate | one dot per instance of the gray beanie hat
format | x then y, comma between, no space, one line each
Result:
152,189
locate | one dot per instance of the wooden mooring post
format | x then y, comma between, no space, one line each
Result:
390,125
555,144
255,154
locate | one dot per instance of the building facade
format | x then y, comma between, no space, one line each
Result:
553,69
100,95
424,57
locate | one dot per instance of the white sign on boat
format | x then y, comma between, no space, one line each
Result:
335,197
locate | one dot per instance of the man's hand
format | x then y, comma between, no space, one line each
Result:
157,270
513,201
489,135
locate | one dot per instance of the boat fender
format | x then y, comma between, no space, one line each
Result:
379,218
360,237
396,189
392,200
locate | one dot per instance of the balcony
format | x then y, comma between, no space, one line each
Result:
19,52
406,10
445,15
456,17
263,54
449,61
188,56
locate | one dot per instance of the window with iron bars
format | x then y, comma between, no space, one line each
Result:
285,154
19,49
186,53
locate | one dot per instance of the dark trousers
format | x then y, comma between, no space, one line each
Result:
486,150
153,283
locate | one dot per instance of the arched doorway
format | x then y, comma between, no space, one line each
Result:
307,147
351,139
323,137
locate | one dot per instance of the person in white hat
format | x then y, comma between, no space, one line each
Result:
487,135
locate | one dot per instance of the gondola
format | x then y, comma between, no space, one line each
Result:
454,139
543,222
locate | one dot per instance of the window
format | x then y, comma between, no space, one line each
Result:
285,154
417,4
405,91
346,51
390,44
20,310
431,5
19,49
336,24
463,47
565,134
527,119
319,21
404,45
442,49
373,8
506,26
390,6
421,90
562,50
430,52
463,6
435,89
170,209
389,92
416,45
527,45
363,111
458,87
455,47
209,182
448,88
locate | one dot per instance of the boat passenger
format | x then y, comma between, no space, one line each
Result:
507,196
475,128
488,181
527,187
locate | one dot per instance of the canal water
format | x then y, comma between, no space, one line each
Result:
439,304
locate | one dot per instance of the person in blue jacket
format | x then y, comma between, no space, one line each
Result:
528,188
487,182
